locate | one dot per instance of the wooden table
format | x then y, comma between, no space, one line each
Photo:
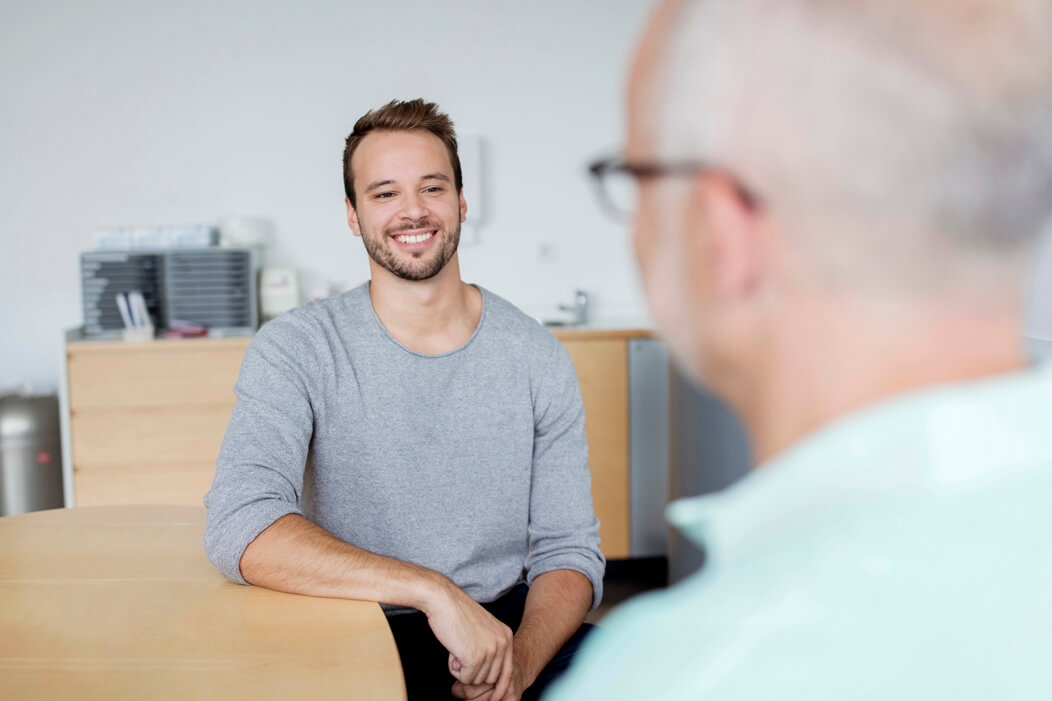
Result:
120,602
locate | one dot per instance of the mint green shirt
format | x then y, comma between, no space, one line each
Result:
902,552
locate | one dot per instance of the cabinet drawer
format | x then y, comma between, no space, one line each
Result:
169,483
164,375
149,436
602,370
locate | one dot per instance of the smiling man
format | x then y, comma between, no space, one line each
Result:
417,441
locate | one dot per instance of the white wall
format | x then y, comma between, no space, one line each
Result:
140,112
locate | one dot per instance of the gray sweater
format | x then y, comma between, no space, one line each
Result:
472,463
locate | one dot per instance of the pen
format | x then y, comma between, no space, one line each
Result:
138,305
122,306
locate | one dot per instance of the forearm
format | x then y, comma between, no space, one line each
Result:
297,556
556,606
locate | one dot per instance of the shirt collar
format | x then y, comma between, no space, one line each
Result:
933,441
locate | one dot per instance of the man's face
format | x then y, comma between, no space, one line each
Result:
409,212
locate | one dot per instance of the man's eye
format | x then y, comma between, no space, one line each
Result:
435,188
384,195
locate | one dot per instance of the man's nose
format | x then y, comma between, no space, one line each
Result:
414,206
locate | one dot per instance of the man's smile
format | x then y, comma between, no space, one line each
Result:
413,239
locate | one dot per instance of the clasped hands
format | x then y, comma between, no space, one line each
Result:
481,656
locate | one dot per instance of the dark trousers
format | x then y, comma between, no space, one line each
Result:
424,660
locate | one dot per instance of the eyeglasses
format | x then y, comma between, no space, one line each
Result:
617,182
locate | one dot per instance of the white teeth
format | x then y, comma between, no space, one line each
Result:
414,239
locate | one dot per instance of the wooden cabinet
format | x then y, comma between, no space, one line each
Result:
146,420
601,361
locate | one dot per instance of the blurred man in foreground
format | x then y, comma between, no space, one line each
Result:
836,206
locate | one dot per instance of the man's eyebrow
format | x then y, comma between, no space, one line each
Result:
430,176
378,183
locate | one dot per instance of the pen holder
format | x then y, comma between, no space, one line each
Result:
137,334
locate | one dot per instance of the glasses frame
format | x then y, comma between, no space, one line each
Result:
604,167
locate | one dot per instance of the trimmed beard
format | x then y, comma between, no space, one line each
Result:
386,258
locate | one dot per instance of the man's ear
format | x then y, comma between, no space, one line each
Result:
352,218
731,236
463,208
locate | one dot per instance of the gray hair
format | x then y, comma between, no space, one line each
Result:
917,129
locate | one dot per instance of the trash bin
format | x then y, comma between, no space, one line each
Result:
30,454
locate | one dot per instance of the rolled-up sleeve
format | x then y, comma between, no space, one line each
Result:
259,472
564,532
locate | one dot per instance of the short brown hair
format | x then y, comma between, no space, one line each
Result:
398,115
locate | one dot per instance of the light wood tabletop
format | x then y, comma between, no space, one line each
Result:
120,602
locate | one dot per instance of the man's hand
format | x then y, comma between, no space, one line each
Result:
479,645
487,692
555,607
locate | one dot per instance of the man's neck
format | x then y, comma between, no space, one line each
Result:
428,316
832,362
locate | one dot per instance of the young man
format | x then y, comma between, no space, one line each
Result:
416,441
837,204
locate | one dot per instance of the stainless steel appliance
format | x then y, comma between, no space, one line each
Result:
684,442
30,454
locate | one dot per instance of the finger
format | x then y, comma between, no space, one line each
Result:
467,671
495,662
474,692
495,669
504,659
505,677
481,672
462,671
461,674
471,692
505,680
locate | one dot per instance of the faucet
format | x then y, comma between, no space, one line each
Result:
579,309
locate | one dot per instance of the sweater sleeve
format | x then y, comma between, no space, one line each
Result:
563,532
259,472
